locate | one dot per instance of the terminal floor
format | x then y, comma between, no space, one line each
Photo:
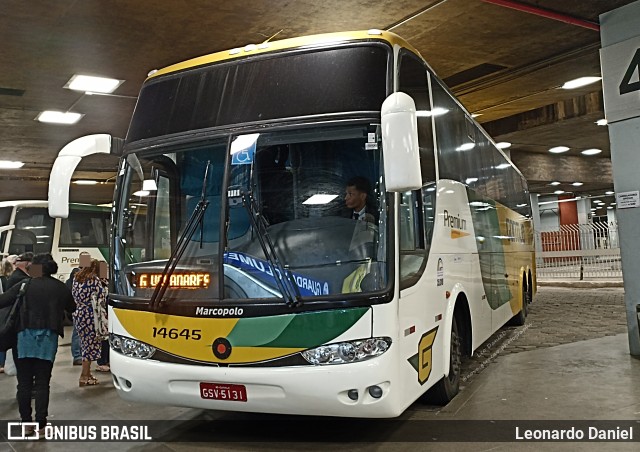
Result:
570,362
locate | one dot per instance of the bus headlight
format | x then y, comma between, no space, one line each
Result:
347,352
130,347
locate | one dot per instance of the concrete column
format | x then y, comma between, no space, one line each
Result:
620,57
535,217
584,211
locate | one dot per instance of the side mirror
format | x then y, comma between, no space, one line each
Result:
66,163
400,144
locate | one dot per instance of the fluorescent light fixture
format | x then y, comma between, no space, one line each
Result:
85,182
471,179
558,192
438,111
577,184
431,189
503,145
59,117
10,164
554,183
591,151
609,208
479,204
88,83
141,193
602,122
149,185
475,115
580,82
521,205
609,192
503,166
320,199
466,146
559,149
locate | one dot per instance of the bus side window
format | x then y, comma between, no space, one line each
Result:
415,215
413,253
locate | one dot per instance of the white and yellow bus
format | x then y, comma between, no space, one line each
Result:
25,226
238,284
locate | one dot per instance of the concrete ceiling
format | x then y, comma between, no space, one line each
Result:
505,64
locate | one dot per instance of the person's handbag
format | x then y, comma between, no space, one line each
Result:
99,317
9,319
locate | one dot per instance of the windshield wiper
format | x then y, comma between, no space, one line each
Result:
195,219
284,279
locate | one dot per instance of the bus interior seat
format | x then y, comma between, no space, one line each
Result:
22,241
276,183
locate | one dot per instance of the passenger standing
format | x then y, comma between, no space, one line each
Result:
41,315
103,361
6,268
87,286
22,269
76,351
8,265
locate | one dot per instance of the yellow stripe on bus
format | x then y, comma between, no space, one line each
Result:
192,337
292,43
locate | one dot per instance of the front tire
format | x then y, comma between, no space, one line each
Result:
446,389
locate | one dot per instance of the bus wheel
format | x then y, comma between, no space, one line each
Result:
521,317
447,388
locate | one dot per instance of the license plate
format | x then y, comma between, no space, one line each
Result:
219,391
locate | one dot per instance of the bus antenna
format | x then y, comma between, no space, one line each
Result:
269,39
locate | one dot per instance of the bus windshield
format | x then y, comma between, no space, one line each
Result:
281,227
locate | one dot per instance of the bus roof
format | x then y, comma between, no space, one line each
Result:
291,43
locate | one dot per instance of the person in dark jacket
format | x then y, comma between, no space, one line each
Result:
22,269
41,322
357,201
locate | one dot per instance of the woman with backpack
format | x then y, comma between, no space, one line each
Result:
44,301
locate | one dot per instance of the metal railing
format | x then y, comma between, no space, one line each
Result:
579,251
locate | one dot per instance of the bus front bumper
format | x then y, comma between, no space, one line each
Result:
302,390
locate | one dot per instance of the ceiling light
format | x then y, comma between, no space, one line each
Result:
475,115
471,179
579,82
85,182
320,199
466,146
149,185
503,145
59,117
577,184
602,122
609,193
141,193
434,112
555,183
591,151
503,166
91,84
559,149
10,164
558,192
